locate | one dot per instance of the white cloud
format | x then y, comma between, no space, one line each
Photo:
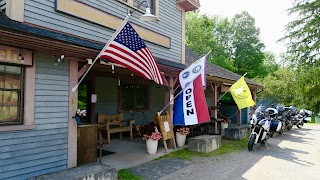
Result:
270,16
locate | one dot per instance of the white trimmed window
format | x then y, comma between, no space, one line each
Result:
17,89
152,4
11,94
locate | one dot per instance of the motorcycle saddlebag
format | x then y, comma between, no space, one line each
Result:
276,126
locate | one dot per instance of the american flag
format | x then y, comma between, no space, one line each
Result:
129,50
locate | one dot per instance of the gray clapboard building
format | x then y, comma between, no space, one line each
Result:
45,47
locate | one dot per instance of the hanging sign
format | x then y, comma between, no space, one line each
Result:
15,55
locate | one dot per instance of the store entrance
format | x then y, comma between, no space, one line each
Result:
84,102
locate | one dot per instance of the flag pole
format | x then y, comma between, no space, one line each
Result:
179,93
228,91
105,46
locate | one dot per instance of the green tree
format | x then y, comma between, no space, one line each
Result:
307,87
303,35
303,41
235,43
204,33
269,66
199,33
279,86
247,48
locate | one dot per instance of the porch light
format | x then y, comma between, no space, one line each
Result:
112,67
21,58
61,58
148,16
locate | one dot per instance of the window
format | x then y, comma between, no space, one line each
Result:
144,5
134,97
11,95
152,4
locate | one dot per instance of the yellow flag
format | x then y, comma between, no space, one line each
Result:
241,94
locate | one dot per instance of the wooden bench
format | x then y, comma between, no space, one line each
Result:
114,124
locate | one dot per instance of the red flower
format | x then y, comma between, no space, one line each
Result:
184,130
151,132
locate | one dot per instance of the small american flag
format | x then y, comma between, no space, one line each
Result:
129,50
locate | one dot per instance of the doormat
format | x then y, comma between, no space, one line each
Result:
104,153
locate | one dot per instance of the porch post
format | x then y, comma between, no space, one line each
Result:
93,105
169,95
214,99
254,95
73,105
239,118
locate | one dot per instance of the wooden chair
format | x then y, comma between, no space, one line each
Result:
114,124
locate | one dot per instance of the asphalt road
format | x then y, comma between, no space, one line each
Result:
295,155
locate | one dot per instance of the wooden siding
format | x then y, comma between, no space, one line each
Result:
43,13
107,103
244,116
28,153
2,5
230,110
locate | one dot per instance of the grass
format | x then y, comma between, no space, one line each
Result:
123,174
227,146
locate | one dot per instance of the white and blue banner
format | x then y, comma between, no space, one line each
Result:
190,106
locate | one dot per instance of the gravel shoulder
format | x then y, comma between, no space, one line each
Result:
295,155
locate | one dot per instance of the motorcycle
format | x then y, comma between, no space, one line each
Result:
306,114
259,131
276,124
299,120
285,116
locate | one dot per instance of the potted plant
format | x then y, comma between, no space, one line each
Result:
181,135
151,134
225,123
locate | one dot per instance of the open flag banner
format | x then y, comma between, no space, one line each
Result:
202,62
190,106
129,50
241,94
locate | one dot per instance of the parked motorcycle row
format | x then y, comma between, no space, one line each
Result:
265,122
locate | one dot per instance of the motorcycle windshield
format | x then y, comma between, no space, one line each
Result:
259,112
262,122
260,109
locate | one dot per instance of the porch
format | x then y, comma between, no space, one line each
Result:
124,153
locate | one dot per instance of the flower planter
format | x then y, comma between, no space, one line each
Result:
223,126
181,139
152,146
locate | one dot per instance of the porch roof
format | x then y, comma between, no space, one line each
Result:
7,24
217,71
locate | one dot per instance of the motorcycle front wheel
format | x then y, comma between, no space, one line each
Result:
299,125
251,142
271,134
